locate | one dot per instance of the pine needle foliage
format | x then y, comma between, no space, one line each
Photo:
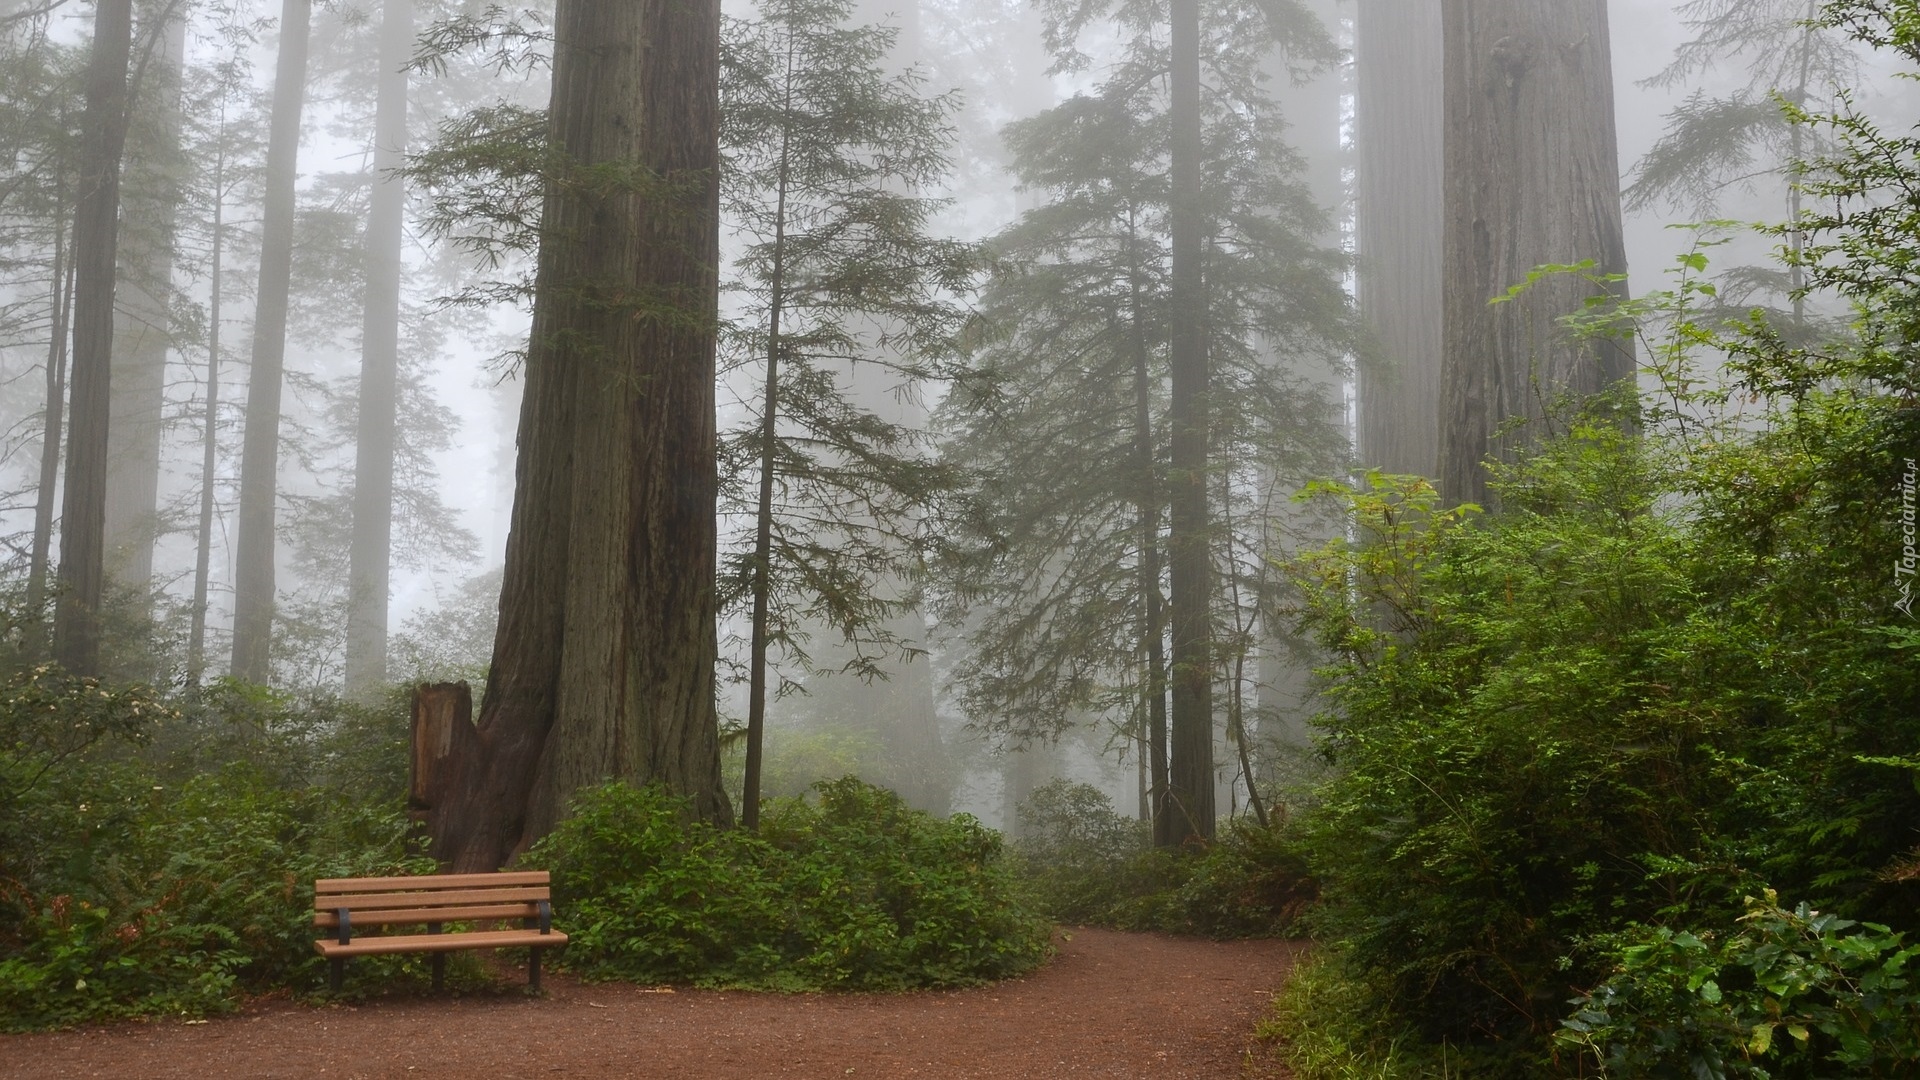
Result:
843,305
1064,412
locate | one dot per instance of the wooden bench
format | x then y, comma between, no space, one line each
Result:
346,905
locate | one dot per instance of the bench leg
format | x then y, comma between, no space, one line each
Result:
336,972
533,970
439,971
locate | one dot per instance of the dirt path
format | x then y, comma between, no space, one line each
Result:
1110,1004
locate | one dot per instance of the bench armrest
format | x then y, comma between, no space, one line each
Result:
346,924
546,917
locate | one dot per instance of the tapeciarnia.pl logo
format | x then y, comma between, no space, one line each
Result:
1909,561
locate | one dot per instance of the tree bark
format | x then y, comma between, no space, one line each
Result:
1532,177
370,553
76,627
143,323
1400,118
441,744
253,584
210,444
60,324
603,663
763,506
1153,681
1190,778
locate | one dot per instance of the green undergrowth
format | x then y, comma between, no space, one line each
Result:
1327,1026
847,890
1085,864
1781,994
1671,667
157,852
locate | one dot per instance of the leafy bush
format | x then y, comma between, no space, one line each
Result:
207,894
1084,863
1080,859
1791,994
1327,1026
138,876
854,891
1676,659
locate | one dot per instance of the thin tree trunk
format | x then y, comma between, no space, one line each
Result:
603,661
1153,627
1190,779
76,626
60,324
210,445
1244,642
763,509
1400,118
370,555
1532,177
143,324
253,584
1796,148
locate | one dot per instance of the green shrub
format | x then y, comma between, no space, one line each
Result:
1591,709
1790,994
1084,863
138,875
195,897
854,891
1327,1026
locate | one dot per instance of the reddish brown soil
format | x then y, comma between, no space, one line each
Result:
1110,1004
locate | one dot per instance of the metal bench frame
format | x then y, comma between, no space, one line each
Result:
343,905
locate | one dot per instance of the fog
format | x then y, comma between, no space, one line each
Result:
916,719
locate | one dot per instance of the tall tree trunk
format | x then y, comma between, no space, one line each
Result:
603,661
210,445
1399,121
57,335
1532,177
370,556
143,324
1275,734
1153,681
763,508
1190,778
76,625
253,585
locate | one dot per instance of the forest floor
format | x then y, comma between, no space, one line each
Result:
1108,1005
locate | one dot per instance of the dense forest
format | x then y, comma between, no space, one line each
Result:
847,485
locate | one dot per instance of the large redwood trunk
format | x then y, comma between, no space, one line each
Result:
1190,779
143,317
76,624
1400,119
603,661
1532,177
371,550
253,580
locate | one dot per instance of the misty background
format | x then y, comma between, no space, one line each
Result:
460,394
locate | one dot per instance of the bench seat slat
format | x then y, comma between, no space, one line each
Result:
464,898
475,912
429,943
327,886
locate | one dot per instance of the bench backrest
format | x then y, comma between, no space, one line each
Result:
435,898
